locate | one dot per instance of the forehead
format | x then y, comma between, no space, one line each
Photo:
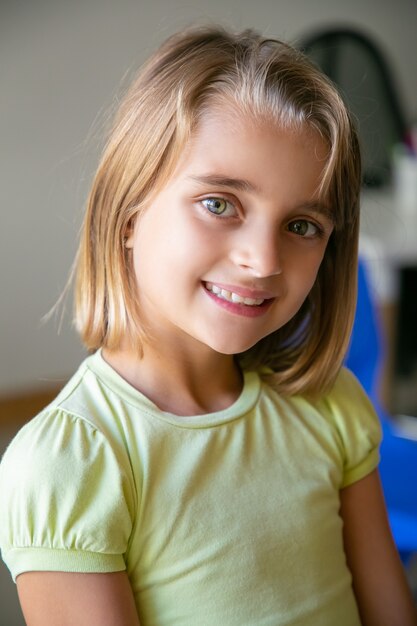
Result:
227,124
229,143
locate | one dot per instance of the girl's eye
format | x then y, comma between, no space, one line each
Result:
219,206
304,228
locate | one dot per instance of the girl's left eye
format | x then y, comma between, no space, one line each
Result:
219,206
304,228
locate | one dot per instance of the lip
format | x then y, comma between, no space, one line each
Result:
237,308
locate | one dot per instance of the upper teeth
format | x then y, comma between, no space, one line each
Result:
231,296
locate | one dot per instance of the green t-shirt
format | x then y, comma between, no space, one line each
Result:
229,518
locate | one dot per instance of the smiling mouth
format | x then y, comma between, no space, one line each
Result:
235,298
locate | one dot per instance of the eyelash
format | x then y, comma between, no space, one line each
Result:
319,230
221,199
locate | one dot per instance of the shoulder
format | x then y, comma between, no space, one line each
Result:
85,412
73,424
61,461
53,440
347,408
343,404
347,387
66,484
75,434
347,405
342,422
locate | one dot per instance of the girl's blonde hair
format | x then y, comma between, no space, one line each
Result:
192,72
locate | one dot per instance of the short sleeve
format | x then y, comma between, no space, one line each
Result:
357,425
65,501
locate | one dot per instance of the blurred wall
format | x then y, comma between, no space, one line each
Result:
62,64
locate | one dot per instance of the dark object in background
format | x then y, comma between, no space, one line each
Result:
359,69
406,355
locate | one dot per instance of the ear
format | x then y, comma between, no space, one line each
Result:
129,235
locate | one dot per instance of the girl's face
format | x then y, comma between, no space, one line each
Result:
228,250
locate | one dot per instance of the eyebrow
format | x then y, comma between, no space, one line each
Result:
217,180
242,184
318,207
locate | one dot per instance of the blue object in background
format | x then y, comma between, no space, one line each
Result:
398,467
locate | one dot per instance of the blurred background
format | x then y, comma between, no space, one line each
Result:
63,65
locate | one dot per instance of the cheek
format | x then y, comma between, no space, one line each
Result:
192,246
163,257
302,273
314,268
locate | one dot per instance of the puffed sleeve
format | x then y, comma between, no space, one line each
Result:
357,425
66,501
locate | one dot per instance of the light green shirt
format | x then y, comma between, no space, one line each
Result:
229,518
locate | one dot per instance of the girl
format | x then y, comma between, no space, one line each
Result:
210,462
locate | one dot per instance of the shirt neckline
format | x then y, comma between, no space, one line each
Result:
242,405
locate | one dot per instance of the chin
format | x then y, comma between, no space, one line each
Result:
230,348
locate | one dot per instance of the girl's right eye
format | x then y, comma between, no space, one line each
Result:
219,206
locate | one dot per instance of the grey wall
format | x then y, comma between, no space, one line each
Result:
61,65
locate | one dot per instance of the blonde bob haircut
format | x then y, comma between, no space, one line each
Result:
193,71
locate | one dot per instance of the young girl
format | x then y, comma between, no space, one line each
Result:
211,463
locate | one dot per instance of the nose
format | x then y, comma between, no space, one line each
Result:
258,252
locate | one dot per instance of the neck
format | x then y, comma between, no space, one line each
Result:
180,383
